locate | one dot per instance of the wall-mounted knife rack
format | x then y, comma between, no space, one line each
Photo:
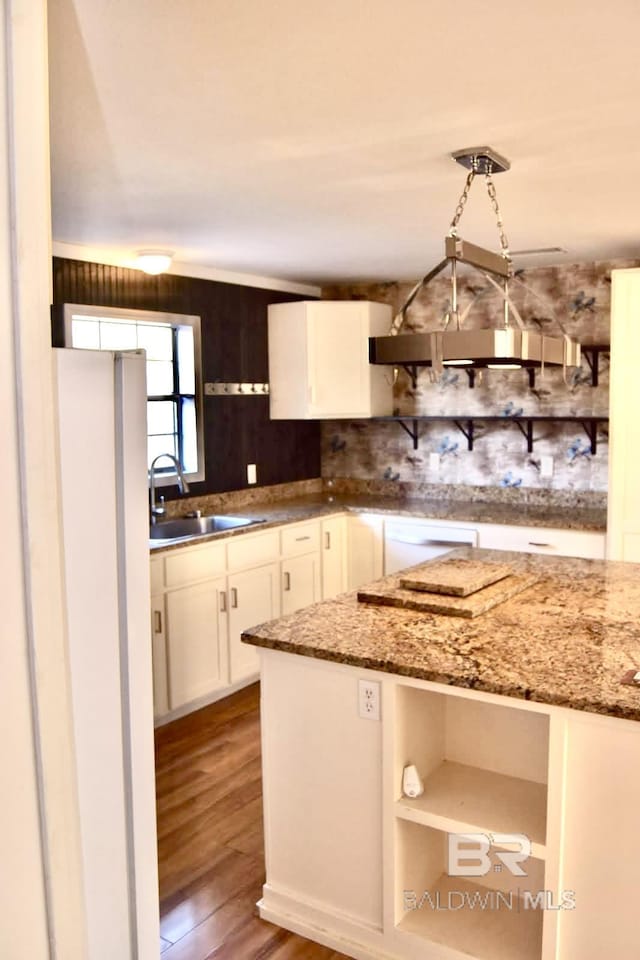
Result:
235,389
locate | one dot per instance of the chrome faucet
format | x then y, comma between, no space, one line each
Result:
183,486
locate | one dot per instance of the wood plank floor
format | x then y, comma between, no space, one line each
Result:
210,839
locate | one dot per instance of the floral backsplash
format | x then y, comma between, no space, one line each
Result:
576,296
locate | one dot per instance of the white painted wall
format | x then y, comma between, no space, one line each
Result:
41,910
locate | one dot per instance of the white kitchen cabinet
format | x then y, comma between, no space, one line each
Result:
334,556
365,549
159,656
623,526
254,597
601,839
589,545
319,360
196,641
301,582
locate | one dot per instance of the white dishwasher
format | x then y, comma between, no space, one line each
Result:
407,542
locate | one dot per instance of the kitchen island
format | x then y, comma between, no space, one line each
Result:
518,723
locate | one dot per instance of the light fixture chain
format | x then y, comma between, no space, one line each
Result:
491,190
464,196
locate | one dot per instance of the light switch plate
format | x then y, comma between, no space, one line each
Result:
252,473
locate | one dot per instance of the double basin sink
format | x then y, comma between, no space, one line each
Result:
187,528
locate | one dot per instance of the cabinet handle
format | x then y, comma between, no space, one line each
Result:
300,539
536,543
223,601
287,581
327,541
234,596
157,621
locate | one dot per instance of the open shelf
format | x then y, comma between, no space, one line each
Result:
485,917
461,798
483,765
466,425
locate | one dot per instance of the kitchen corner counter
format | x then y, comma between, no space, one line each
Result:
459,511
567,641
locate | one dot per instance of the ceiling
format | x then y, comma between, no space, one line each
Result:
310,140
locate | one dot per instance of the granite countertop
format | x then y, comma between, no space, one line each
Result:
457,511
567,640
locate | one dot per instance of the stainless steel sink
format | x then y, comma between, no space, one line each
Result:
186,528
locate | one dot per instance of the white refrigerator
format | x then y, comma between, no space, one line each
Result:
101,400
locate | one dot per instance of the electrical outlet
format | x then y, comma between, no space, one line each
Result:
434,462
546,466
369,699
252,473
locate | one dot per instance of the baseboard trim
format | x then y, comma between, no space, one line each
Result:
205,701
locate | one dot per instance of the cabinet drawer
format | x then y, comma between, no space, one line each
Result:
300,538
562,543
250,550
192,564
157,575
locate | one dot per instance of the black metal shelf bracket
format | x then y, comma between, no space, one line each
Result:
467,431
412,372
527,433
592,356
590,427
413,433
471,373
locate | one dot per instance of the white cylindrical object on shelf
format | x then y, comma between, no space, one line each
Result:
412,785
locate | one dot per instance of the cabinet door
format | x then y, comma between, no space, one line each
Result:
334,556
254,597
601,841
196,641
623,524
338,359
300,582
159,657
364,549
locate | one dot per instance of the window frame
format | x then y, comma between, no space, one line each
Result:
175,320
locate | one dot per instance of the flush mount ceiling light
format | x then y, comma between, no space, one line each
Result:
154,261
503,347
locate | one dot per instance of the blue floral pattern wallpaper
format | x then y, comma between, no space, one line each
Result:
578,296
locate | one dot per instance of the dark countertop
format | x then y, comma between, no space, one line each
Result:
567,640
458,511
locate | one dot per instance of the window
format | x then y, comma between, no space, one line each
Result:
174,388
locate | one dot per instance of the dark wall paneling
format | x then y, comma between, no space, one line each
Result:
234,347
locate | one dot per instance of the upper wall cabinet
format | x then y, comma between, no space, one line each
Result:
319,360
623,522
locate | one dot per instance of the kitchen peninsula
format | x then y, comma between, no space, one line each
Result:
517,721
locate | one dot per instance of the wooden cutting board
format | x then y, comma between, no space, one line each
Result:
455,577
393,595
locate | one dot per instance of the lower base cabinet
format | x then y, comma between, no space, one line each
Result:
523,846
364,549
301,582
254,597
196,641
159,657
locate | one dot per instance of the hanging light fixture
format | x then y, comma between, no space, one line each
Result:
504,347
